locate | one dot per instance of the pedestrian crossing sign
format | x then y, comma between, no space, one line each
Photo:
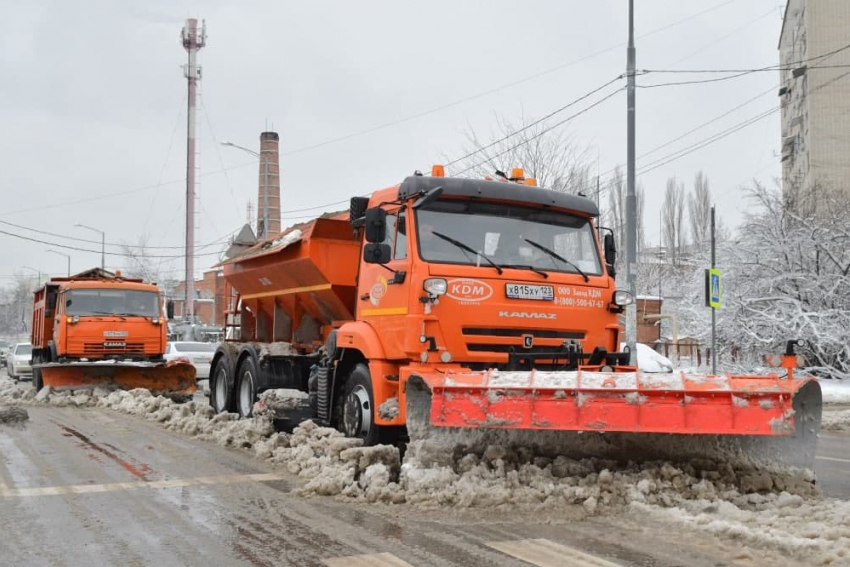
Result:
712,288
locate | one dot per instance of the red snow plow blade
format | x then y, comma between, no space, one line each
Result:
631,402
159,378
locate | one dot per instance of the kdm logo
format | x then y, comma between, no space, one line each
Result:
468,290
527,315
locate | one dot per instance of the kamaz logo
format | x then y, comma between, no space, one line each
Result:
527,315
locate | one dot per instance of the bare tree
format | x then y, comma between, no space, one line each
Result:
140,263
553,158
615,216
672,215
699,209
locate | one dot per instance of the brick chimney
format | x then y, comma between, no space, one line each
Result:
269,182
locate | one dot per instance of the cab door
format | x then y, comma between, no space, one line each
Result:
382,292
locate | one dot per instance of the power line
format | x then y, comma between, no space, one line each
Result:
89,241
78,249
542,132
536,122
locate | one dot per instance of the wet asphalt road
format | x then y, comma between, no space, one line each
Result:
93,487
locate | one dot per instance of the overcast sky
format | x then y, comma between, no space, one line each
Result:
94,122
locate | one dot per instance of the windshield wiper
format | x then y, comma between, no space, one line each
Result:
526,267
557,256
468,248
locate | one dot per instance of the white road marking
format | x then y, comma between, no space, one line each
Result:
545,553
111,487
837,460
370,560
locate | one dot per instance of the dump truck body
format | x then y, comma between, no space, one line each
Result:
95,328
495,300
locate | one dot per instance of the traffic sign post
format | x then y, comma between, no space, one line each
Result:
712,288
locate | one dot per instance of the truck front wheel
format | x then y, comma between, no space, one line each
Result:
358,407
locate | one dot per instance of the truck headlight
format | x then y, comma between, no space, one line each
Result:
622,298
435,286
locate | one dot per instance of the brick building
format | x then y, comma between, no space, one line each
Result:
209,298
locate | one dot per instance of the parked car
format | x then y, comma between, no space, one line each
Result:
5,346
197,354
19,360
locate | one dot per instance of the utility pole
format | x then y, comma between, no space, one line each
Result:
193,40
631,200
713,310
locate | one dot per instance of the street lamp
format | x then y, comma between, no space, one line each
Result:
67,256
102,244
265,161
38,272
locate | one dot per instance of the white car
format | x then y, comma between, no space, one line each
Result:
197,354
18,361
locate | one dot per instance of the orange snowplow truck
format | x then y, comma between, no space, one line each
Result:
100,329
486,304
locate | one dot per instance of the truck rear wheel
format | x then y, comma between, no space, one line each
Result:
221,388
358,410
37,381
246,389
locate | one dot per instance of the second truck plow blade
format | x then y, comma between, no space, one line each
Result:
159,378
764,419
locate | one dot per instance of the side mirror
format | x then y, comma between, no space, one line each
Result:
610,252
169,309
428,197
376,253
376,225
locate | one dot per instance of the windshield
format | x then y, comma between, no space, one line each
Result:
112,302
504,234
23,349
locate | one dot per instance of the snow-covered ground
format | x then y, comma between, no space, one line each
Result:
835,391
650,361
759,511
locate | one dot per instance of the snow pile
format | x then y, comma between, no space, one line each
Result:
803,532
835,391
13,415
332,464
649,360
836,420
279,400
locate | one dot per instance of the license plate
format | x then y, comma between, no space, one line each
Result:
525,291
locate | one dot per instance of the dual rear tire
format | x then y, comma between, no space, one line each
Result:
234,390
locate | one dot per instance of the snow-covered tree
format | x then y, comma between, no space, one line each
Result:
699,210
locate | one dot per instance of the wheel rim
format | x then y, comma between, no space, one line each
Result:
357,414
246,393
220,390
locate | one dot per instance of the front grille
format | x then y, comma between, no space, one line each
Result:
504,349
102,349
537,333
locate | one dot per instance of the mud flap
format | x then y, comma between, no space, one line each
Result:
159,378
